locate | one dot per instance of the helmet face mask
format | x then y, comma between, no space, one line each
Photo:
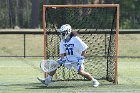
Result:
65,31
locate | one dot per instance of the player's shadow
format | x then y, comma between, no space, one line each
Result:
55,85
50,87
65,84
41,86
37,86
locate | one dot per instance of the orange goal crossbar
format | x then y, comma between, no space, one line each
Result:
84,5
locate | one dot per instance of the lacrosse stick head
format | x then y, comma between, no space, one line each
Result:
48,65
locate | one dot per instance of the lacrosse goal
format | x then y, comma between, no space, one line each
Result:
98,27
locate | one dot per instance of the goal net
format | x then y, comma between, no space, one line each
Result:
97,26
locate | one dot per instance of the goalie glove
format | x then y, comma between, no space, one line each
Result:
81,59
61,61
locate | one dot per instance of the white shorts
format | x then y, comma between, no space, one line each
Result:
76,65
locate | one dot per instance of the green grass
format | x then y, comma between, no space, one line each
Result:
129,44
14,45
18,75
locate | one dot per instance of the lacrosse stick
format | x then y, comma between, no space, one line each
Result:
51,65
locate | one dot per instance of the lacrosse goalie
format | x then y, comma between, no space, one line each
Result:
72,50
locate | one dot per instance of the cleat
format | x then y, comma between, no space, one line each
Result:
41,80
44,81
95,83
47,81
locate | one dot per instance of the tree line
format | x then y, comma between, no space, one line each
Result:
28,13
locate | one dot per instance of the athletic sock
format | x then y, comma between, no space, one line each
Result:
49,77
94,79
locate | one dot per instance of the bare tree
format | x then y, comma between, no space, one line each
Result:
109,1
35,14
12,13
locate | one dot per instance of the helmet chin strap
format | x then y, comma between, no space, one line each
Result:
67,39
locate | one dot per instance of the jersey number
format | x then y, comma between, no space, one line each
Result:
70,51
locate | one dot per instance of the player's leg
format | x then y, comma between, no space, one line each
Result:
48,79
81,71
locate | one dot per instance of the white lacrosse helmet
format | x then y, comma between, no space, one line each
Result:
65,31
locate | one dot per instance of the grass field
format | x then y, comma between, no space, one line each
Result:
13,45
18,75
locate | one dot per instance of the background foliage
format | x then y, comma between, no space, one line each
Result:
28,13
